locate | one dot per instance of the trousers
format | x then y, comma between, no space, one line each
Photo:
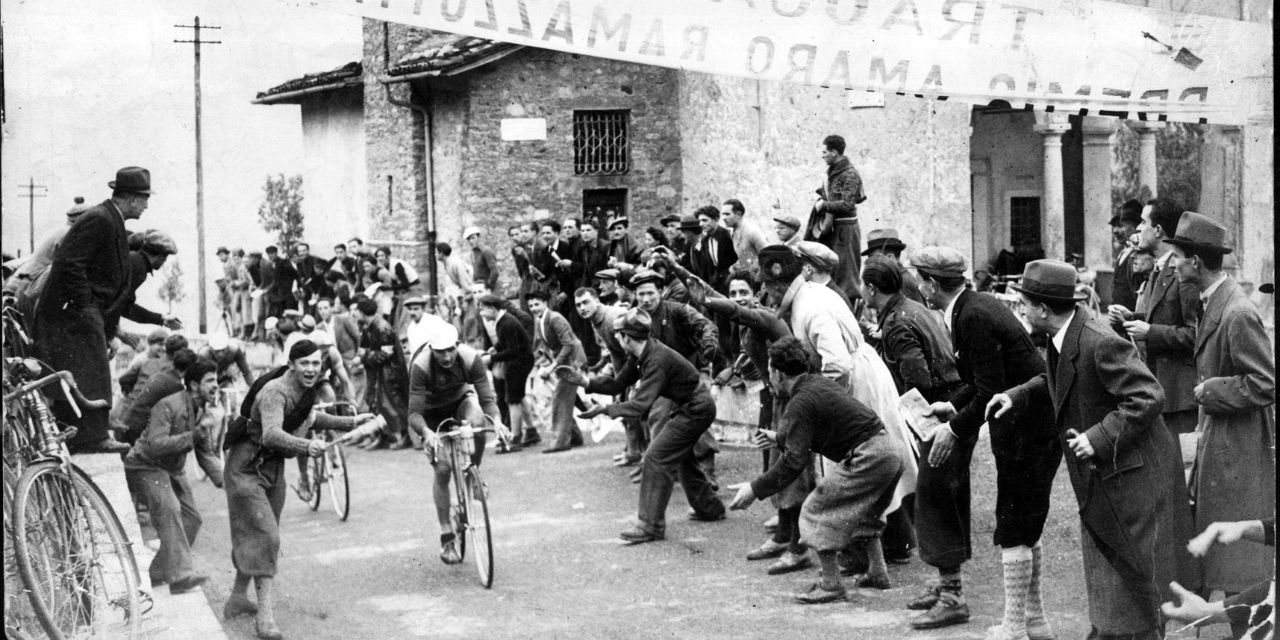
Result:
670,456
174,516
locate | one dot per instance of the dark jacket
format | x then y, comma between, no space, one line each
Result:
127,306
994,353
591,258
915,346
484,267
159,386
758,329
1131,492
658,372
565,279
1124,290
554,338
686,331
513,347
625,250
90,266
283,277
170,434
714,269
842,191
1172,309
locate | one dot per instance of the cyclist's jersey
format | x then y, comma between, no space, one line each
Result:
224,359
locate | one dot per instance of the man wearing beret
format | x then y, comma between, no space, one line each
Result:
1234,476
1124,465
994,353
88,279
656,372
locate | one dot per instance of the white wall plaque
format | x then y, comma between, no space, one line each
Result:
524,128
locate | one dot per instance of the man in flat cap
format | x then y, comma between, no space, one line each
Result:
81,304
656,372
623,249
994,353
788,230
1234,473
885,244
818,262
1124,465
676,240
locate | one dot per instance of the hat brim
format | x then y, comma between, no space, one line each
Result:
1040,296
1198,246
145,192
884,245
939,273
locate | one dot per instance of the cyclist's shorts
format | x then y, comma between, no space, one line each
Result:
465,409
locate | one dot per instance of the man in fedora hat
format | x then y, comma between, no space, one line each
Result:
886,244
1164,319
993,353
1124,286
88,279
656,371
1124,465
1234,473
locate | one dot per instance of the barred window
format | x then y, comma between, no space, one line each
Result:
1024,221
600,143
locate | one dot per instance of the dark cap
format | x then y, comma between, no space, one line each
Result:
634,323
690,223
645,276
668,219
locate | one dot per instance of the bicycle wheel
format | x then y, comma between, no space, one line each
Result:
20,618
315,477
335,460
74,556
478,527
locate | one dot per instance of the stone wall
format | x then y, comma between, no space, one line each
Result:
505,182
761,142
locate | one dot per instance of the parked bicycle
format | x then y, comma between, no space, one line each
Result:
470,503
74,558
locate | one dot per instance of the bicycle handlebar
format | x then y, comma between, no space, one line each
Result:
72,391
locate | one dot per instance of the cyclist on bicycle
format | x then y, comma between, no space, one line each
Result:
448,380
224,354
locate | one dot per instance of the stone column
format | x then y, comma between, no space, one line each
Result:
1097,192
1052,208
1147,154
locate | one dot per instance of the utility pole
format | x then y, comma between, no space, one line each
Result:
31,196
204,316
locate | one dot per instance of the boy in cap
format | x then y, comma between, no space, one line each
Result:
994,353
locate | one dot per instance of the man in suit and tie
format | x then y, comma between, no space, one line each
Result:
1234,477
1123,464
557,346
88,279
1124,286
1164,319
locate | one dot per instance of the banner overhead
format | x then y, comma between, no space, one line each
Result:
1077,56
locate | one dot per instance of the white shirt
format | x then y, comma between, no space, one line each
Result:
1061,335
946,313
1204,297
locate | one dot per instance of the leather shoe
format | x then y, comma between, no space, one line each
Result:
531,438
926,600
702,517
555,449
183,585
105,445
508,448
449,553
640,536
768,550
790,562
817,594
624,461
238,605
868,581
948,610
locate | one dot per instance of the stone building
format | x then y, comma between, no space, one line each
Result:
516,133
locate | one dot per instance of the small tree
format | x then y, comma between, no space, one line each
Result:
281,210
171,290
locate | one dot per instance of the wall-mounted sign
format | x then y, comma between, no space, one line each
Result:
524,129
864,99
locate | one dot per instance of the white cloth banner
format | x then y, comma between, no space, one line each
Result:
1070,55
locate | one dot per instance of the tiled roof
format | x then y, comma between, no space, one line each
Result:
348,75
452,57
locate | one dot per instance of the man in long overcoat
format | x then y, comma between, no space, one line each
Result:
89,278
1234,477
1124,465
